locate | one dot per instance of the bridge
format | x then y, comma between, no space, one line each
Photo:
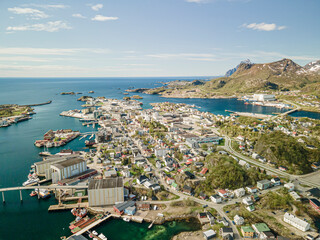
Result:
51,187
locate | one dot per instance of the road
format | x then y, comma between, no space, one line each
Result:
307,179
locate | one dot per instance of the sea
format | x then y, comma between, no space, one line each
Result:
31,219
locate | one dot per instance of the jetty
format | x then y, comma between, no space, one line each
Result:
60,207
37,104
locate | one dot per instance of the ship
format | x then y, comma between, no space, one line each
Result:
33,193
31,181
44,193
90,143
79,212
77,222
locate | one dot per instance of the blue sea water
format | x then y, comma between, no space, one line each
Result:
31,220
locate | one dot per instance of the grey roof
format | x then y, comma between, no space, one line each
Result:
105,183
75,237
122,206
68,163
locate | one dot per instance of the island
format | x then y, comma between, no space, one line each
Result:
14,113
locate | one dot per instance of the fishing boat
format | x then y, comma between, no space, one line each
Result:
33,193
44,193
89,143
79,212
102,236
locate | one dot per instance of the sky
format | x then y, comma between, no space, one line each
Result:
142,38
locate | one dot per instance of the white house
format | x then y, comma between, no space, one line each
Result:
296,222
289,186
276,181
240,192
216,198
247,201
238,220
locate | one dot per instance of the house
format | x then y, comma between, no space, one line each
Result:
209,234
276,181
142,179
315,204
250,208
120,207
224,231
289,186
315,165
202,195
158,164
267,235
283,168
223,193
144,206
204,171
252,189
175,186
189,175
255,197
260,228
296,222
130,210
295,195
216,198
247,201
247,232
238,220
240,192
263,184
314,192
187,190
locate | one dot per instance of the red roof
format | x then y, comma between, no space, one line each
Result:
204,171
222,191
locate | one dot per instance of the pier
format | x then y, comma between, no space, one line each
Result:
92,225
60,207
38,104
248,114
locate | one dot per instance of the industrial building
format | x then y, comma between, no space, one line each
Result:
102,192
67,168
296,222
264,97
263,184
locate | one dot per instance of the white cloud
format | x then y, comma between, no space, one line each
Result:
50,51
197,1
97,7
263,26
78,15
33,13
46,6
48,27
103,18
186,56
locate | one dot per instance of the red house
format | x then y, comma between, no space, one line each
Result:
315,204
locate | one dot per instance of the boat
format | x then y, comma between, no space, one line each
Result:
31,181
89,143
44,193
94,232
76,223
102,236
33,193
45,152
79,212
126,219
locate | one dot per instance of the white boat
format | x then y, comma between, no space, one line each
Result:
126,219
94,232
103,237
31,181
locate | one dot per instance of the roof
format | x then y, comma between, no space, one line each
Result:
105,183
122,206
209,233
222,191
314,192
247,229
315,201
296,220
264,181
261,227
227,230
75,237
68,162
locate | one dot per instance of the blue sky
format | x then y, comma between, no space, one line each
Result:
124,38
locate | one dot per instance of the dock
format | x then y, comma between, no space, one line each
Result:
67,206
38,104
248,114
92,225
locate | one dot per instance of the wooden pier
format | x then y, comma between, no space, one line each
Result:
67,206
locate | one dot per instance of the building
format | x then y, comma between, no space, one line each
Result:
247,201
247,232
260,228
315,204
216,198
263,184
67,168
240,192
264,97
223,193
238,220
295,195
276,181
289,186
121,207
226,231
102,192
144,206
130,210
296,222
209,234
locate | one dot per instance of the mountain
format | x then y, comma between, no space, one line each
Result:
313,67
233,70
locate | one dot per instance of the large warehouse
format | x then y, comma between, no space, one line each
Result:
102,192
67,168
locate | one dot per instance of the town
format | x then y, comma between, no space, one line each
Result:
175,162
